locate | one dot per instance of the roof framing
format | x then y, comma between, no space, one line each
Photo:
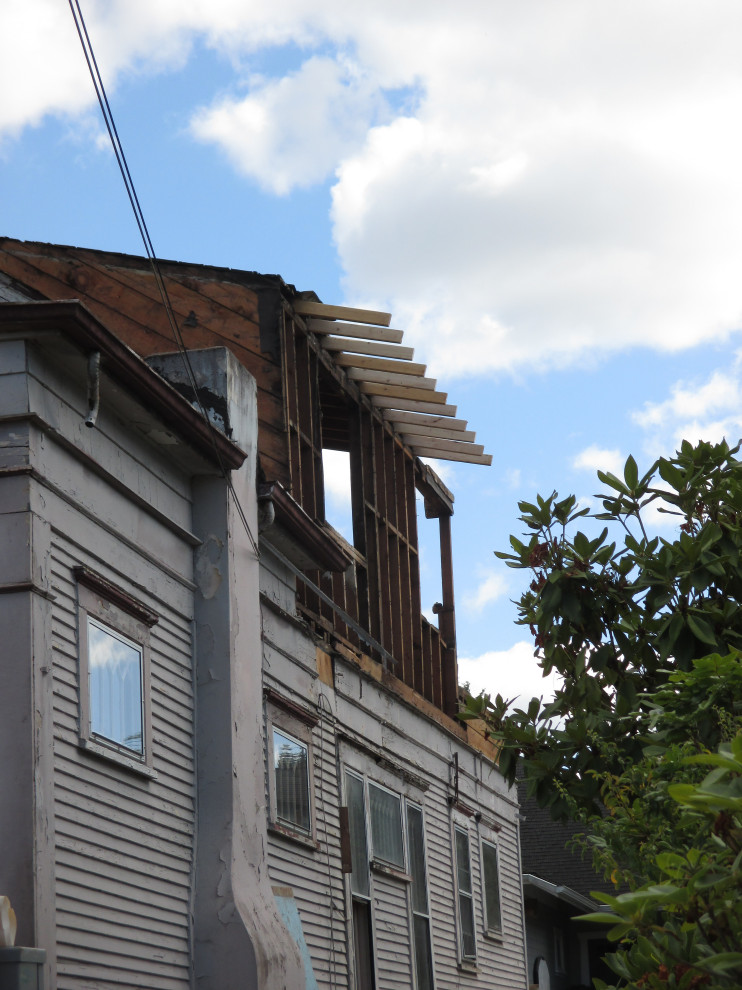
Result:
364,345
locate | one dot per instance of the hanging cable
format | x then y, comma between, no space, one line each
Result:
118,151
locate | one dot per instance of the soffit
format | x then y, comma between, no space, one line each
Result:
371,354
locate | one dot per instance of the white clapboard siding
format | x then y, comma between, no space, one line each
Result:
124,844
392,946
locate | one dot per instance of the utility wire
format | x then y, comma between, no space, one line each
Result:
118,151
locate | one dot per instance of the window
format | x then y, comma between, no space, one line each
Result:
492,912
114,672
291,775
467,942
387,847
360,884
386,825
115,667
419,898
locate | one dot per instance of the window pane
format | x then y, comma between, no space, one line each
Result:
357,824
416,857
423,967
462,862
491,887
291,764
466,913
115,682
386,825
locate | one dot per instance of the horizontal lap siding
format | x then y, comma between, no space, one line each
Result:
123,843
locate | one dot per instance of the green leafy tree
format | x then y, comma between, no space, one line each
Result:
613,611
646,633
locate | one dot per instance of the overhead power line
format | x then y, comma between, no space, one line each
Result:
118,150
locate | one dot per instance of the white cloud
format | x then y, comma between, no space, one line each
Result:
513,477
290,133
336,470
492,586
596,458
513,673
708,410
560,186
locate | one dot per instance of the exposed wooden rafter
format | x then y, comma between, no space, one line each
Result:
363,343
363,330
306,307
414,405
378,364
403,392
368,347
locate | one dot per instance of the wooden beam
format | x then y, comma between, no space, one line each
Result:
378,364
451,446
305,307
439,455
403,392
383,402
356,330
367,347
389,378
414,434
400,419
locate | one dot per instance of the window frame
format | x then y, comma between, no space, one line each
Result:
296,723
289,823
112,609
409,804
464,958
490,930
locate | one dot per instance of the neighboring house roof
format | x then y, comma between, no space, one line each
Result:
548,851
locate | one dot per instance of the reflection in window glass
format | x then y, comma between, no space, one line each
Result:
386,825
115,678
466,905
491,887
291,765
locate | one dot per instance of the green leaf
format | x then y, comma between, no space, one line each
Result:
631,473
701,629
612,481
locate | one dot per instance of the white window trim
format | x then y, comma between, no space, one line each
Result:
111,607
464,960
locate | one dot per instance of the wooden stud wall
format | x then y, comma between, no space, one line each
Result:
381,589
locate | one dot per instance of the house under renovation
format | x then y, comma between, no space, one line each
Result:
229,751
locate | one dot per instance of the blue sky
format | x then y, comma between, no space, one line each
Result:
546,197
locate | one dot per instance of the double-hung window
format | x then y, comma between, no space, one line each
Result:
419,897
467,940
